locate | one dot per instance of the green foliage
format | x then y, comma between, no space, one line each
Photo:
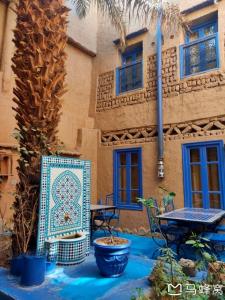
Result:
139,295
149,202
201,248
167,271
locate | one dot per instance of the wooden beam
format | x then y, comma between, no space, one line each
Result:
79,46
132,35
5,1
198,6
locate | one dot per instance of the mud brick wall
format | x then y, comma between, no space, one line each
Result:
169,72
105,86
172,85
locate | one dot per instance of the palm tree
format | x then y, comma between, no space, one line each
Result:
39,65
40,38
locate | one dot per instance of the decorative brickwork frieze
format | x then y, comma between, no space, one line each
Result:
204,127
172,85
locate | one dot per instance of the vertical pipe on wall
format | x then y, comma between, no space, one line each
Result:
159,99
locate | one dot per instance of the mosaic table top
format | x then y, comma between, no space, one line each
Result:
199,215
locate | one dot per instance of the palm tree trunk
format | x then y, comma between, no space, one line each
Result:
39,65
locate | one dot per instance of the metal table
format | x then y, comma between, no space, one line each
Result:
197,219
198,215
97,208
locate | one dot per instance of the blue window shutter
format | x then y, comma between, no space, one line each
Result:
204,164
116,178
200,42
130,79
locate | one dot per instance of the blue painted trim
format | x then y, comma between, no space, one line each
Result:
117,81
132,35
200,28
132,51
198,7
202,146
116,178
200,40
159,90
217,51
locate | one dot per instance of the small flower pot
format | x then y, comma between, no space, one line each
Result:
111,259
33,270
16,265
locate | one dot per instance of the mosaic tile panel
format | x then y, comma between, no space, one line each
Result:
64,199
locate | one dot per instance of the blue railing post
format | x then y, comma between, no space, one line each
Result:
159,99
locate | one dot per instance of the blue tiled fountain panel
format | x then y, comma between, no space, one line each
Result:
64,198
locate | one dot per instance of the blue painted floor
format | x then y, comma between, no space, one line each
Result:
83,282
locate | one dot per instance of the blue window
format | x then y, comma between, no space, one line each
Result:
203,167
130,75
201,49
128,178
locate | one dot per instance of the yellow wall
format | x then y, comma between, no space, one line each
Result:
76,126
181,108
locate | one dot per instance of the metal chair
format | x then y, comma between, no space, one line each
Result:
216,240
168,205
220,227
106,217
172,234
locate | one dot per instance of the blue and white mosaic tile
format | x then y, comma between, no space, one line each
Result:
64,199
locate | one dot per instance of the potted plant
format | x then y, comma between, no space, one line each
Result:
188,267
25,262
201,251
167,271
111,254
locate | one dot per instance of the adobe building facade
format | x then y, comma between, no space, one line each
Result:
109,111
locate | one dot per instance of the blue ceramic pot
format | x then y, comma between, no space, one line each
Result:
34,270
111,259
16,265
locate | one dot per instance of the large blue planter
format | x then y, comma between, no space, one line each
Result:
16,265
34,270
111,259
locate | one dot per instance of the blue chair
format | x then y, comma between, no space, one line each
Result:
106,217
215,240
220,227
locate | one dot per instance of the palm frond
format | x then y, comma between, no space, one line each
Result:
150,11
110,8
82,7
114,11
